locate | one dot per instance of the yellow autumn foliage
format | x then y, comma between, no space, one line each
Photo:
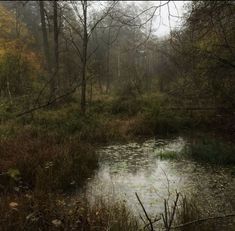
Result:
15,38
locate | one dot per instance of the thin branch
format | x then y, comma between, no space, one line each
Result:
202,220
101,18
145,213
50,102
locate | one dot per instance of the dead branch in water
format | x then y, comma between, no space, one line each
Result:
202,220
145,213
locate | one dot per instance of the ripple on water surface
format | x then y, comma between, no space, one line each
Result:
136,167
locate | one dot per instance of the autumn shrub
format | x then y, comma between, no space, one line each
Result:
15,77
45,163
126,106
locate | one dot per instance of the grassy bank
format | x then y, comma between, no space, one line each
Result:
208,150
212,151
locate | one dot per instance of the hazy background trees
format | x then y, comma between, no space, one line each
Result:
53,48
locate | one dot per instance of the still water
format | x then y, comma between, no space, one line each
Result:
136,167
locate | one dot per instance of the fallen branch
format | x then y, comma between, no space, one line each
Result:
56,99
202,220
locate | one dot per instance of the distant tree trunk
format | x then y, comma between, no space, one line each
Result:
8,89
118,66
84,59
91,91
108,62
56,43
46,48
100,84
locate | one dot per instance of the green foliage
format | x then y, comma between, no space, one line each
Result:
126,106
5,110
167,122
14,173
15,75
212,151
169,155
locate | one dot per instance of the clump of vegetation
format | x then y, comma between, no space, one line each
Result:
190,216
169,155
91,127
188,211
39,211
44,163
212,151
206,150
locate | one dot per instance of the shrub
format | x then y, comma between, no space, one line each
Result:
46,164
15,74
126,106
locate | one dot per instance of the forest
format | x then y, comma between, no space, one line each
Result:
108,124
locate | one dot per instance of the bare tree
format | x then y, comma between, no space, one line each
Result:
56,40
84,30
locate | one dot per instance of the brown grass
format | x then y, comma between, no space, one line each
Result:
44,162
39,211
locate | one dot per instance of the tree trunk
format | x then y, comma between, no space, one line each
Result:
118,65
56,43
46,48
108,64
84,59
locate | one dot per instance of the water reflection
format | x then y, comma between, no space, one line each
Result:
135,167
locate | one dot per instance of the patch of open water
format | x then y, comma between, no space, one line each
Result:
136,167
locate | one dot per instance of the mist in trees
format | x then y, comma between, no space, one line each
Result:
111,46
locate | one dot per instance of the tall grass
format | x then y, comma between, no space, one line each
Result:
40,211
212,151
45,163
192,217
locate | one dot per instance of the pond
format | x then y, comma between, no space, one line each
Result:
136,167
